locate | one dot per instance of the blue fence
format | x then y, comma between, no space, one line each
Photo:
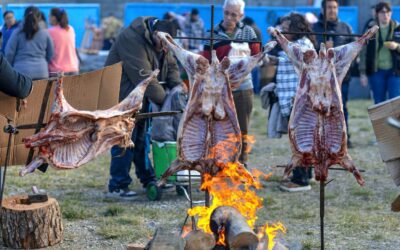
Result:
263,16
77,14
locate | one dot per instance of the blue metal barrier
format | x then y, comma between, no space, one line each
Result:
77,14
262,15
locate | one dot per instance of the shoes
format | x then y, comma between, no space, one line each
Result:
167,186
293,187
124,193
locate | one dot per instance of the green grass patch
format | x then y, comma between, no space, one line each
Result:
75,210
114,210
361,191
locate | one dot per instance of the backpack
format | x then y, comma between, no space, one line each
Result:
165,128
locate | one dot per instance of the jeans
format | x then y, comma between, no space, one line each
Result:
301,176
345,98
255,76
384,83
121,161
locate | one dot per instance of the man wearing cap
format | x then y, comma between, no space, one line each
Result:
141,52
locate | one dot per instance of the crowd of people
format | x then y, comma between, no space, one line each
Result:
35,51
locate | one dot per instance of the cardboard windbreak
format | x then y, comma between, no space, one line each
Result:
388,137
97,90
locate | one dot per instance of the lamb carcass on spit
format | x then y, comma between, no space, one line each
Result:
317,129
209,135
73,137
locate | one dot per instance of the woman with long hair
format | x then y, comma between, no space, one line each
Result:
63,36
30,48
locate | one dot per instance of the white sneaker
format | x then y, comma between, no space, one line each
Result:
293,187
121,193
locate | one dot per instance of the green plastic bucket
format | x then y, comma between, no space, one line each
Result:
164,153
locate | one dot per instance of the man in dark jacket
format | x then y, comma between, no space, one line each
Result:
13,83
335,26
141,52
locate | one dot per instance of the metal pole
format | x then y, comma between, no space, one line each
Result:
322,183
10,130
194,227
207,193
322,211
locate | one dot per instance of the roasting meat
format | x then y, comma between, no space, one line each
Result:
209,135
317,129
73,137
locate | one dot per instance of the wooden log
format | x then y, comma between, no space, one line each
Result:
134,246
28,226
166,240
396,204
199,240
238,234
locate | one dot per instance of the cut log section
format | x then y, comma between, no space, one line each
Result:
28,226
165,240
199,240
237,234
396,204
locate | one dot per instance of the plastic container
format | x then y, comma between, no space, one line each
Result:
164,153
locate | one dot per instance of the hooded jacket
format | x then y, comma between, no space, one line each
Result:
135,48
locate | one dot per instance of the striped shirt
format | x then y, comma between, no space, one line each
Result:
287,79
243,32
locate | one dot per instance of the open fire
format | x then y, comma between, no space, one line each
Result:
231,187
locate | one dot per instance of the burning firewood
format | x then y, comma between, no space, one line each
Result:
230,228
199,240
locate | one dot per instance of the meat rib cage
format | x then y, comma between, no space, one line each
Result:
209,135
73,137
317,128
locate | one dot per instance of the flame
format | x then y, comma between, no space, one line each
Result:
232,186
250,139
221,237
270,232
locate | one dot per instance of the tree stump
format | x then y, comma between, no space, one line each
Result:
34,225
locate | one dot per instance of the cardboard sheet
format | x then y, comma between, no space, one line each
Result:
388,137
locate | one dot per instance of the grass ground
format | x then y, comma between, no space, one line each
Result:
356,218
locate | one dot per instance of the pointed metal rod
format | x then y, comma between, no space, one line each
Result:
322,212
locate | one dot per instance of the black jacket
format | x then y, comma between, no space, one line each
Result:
368,62
13,83
336,27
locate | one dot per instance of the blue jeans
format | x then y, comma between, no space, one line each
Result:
121,161
384,83
345,98
256,80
